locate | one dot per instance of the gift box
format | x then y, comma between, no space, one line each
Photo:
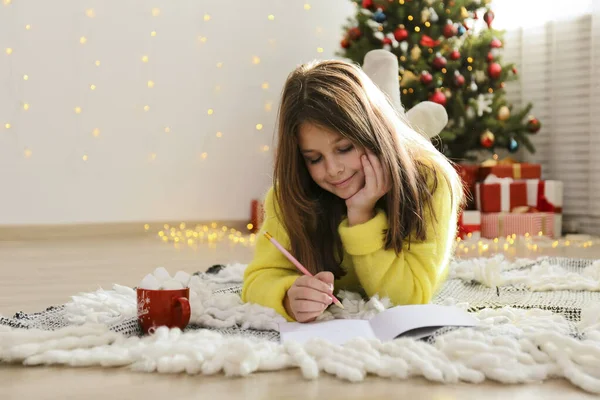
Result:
500,194
469,224
546,196
510,170
468,175
495,225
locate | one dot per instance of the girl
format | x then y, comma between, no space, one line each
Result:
358,197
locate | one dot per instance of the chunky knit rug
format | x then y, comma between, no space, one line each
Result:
540,319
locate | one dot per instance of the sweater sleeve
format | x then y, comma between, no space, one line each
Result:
412,276
270,274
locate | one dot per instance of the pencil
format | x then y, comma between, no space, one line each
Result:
297,263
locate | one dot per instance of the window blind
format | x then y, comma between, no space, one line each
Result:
559,66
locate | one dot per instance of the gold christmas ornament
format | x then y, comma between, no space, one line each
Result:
415,53
503,113
408,77
464,13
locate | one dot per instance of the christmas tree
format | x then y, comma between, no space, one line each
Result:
448,53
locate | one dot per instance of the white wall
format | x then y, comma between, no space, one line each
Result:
135,171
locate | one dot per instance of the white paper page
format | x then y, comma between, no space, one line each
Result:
337,331
397,320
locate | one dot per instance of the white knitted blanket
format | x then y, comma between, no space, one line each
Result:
516,342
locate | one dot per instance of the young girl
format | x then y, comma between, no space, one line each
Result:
358,197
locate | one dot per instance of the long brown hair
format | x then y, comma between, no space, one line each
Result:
339,96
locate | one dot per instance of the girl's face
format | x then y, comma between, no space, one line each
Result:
333,161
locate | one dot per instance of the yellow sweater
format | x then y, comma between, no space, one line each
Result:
412,277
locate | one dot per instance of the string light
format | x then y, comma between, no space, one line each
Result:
268,106
256,60
202,39
469,60
7,125
153,34
410,17
219,64
217,88
265,148
25,77
259,127
206,17
96,132
83,40
210,111
85,157
522,245
167,130
9,51
77,110
219,134
145,59
204,235
7,2
28,27
417,29
470,68
150,84
90,12
490,90
271,17
146,108
204,155
307,6
427,24
265,85
318,30
93,87
27,153
97,63
25,106
155,12
319,49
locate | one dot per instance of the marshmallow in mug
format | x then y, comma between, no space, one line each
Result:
162,280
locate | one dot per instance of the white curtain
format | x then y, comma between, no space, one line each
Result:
557,52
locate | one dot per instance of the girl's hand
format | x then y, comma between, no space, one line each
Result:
309,296
361,206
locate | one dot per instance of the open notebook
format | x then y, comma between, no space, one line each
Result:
416,321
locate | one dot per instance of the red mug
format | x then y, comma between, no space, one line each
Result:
169,308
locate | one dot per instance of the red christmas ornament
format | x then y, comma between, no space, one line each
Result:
439,61
455,55
490,57
449,30
494,70
426,77
401,33
514,70
459,79
438,97
345,43
367,3
387,40
487,139
427,41
488,17
495,43
533,125
354,33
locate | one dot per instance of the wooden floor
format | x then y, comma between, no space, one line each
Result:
36,274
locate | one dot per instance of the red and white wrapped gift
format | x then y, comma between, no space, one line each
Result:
469,224
494,225
496,194
547,196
